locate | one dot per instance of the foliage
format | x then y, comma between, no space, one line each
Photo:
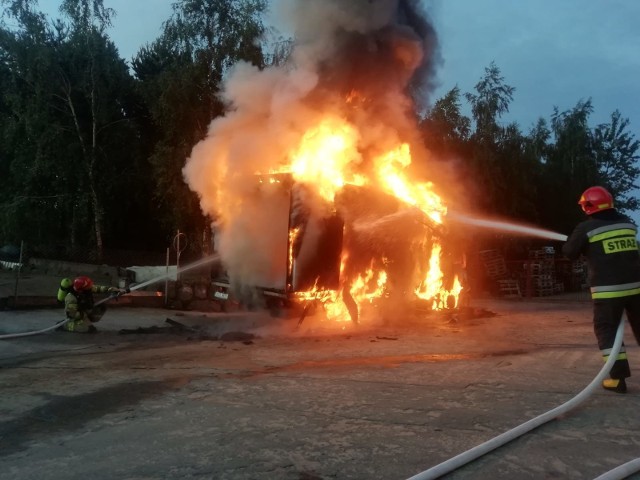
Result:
490,101
68,121
180,77
616,157
446,129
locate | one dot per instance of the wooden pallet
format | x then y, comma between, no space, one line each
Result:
494,263
509,287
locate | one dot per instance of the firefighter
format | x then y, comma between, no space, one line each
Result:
79,306
608,241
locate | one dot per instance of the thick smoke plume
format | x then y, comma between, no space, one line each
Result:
364,62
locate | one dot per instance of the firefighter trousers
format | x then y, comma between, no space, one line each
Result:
86,320
607,314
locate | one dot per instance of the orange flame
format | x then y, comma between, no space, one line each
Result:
391,175
293,235
431,287
369,286
328,158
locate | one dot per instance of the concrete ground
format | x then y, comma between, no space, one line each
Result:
325,401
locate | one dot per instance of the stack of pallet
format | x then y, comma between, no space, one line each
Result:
494,264
541,273
496,269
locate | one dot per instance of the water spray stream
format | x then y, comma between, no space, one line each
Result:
507,227
191,266
413,213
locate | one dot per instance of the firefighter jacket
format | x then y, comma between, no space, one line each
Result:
608,241
76,304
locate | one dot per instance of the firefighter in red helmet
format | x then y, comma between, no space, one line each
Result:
595,199
608,241
79,305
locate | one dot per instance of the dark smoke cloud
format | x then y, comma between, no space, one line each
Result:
414,15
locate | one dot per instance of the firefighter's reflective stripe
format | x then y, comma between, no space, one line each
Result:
621,356
608,228
624,233
607,351
616,291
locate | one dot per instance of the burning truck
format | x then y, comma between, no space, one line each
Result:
323,192
343,254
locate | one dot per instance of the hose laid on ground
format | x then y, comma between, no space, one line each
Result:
623,471
479,450
59,324
37,332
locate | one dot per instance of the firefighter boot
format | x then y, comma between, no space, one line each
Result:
79,326
615,385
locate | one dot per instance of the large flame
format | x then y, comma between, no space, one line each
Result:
326,156
326,160
390,170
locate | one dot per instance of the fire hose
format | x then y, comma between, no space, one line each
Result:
486,447
623,471
59,324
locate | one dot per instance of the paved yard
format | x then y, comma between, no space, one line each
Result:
243,396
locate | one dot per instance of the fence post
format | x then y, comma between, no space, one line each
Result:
179,249
166,281
15,291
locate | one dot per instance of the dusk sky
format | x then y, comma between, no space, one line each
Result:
554,53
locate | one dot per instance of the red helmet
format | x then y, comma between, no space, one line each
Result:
82,283
595,199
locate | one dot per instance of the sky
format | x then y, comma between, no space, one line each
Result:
555,53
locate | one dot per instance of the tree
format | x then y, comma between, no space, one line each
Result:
68,110
489,164
31,190
445,129
616,158
570,166
180,78
490,102
82,91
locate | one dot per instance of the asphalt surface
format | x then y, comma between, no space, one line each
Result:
245,396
